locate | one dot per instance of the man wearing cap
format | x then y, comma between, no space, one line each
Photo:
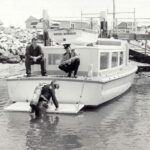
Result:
70,61
34,55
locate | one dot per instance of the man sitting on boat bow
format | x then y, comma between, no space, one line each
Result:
70,61
35,55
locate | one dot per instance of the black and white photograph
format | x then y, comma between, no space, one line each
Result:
74,75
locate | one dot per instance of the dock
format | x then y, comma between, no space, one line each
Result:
139,53
140,56
141,66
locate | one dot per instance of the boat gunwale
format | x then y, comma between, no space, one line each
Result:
80,79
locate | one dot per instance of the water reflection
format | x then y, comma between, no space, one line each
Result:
43,134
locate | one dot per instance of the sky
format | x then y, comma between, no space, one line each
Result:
15,12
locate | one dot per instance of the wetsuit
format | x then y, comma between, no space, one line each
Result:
47,93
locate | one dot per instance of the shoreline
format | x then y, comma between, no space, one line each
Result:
11,69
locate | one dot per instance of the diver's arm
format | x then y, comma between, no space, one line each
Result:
54,99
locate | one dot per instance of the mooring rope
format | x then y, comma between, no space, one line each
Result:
83,84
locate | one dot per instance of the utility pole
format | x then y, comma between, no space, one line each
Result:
116,25
134,22
114,15
81,18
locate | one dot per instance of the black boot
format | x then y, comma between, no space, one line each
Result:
69,74
28,75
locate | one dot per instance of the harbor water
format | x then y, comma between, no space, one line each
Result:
120,124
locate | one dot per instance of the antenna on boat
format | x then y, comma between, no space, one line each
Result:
103,25
45,27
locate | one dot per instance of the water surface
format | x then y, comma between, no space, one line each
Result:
121,124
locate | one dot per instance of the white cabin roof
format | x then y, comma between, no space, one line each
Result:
113,50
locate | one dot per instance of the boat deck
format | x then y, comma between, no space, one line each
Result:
63,108
101,78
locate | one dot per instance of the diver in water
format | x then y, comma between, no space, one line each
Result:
47,92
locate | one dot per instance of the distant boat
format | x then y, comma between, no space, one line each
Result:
104,73
74,36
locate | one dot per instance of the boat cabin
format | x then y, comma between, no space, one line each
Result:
99,58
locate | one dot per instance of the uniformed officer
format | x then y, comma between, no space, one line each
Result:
70,61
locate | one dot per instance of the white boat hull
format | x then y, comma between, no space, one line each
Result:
72,91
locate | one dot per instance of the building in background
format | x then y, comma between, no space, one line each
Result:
1,23
141,29
126,27
1,26
34,23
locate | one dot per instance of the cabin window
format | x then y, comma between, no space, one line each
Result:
121,58
114,62
104,60
54,59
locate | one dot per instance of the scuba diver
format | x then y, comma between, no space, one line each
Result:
41,97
